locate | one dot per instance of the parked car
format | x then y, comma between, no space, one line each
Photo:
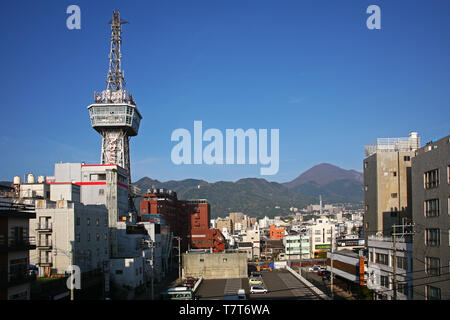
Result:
258,289
321,272
313,269
326,275
189,282
255,281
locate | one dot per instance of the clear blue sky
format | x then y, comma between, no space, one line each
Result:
309,68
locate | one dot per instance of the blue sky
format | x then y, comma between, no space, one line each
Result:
311,69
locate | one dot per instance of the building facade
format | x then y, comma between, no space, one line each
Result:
15,246
431,216
381,265
387,183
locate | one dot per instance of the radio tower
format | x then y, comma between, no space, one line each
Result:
114,113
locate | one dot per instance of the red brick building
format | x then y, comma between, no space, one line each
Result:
188,219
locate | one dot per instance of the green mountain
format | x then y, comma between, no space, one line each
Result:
259,197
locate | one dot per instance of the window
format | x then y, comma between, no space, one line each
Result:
98,177
88,237
394,195
366,164
406,158
318,232
77,237
432,266
403,288
431,208
78,221
366,188
394,173
432,293
431,179
97,236
382,258
88,221
432,237
402,263
371,257
384,281
97,222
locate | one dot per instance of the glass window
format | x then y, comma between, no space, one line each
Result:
432,293
432,266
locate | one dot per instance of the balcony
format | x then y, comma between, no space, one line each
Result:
44,245
17,244
44,263
15,278
44,227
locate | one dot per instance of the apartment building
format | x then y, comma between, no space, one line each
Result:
387,183
431,216
321,238
293,246
276,233
15,245
382,263
69,233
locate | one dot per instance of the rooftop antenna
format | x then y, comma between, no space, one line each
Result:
115,79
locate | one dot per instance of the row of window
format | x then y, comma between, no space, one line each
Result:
382,258
88,221
97,237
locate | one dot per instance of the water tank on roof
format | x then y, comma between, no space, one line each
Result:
41,179
16,180
30,178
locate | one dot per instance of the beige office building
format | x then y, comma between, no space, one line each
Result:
387,183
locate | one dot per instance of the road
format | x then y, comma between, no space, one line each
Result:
281,285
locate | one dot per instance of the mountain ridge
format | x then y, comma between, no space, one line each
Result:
259,197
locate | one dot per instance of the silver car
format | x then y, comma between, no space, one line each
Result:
258,289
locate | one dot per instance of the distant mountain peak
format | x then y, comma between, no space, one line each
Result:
323,174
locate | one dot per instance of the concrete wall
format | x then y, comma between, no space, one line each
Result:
430,157
74,226
215,265
387,188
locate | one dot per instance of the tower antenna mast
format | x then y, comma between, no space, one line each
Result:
115,79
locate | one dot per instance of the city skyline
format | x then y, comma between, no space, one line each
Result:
313,71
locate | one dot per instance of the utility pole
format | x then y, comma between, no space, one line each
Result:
153,268
179,257
394,262
332,258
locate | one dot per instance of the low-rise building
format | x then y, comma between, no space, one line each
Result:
15,246
380,268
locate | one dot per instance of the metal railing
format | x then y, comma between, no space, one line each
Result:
44,226
17,243
20,207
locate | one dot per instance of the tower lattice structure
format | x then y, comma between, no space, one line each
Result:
114,113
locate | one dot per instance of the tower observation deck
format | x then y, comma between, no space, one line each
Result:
114,113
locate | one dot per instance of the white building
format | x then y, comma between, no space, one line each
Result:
321,236
297,246
380,275
253,236
69,233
